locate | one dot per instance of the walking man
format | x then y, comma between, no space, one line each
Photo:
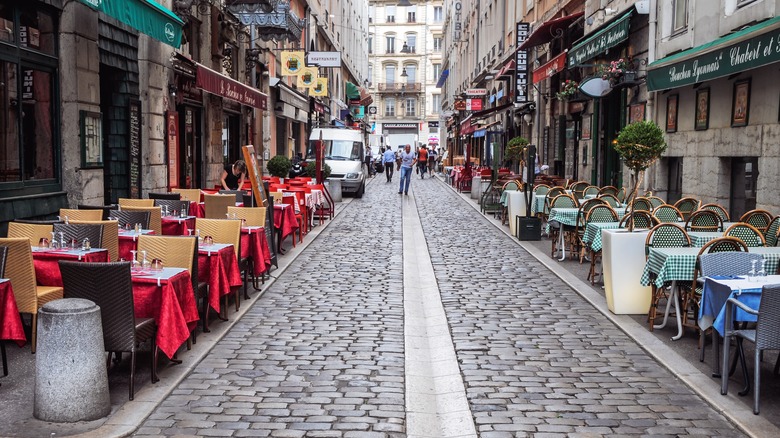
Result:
422,161
369,162
389,159
407,163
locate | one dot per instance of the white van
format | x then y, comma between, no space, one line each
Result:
344,149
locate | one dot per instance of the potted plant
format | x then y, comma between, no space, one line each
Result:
618,71
514,150
311,169
279,166
568,89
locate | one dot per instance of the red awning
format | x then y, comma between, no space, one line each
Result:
549,30
508,67
229,88
550,68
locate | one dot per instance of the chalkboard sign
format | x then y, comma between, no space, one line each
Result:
255,171
134,143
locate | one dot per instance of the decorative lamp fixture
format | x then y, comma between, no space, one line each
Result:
528,118
172,90
405,49
403,73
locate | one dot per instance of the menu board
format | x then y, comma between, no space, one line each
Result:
134,146
255,171
172,122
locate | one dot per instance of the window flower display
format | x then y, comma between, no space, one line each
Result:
568,89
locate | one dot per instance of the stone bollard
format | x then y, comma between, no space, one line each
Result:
334,187
71,382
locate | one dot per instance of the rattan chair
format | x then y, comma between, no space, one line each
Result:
81,231
216,205
238,194
108,240
125,217
129,202
667,214
704,220
642,204
724,215
174,206
642,219
81,215
541,189
110,287
772,232
192,195
226,231
655,201
585,206
278,197
34,232
168,196
254,216
757,218
3,255
621,195
608,190
747,233
104,209
663,236
599,213
578,189
155,217
561,201
20,270
591,191
765,336
610,199
687,206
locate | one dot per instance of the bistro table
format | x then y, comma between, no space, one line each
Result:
47,268
284,222
128,241
11,328
198,209
166,296
254,244
218,266
568,217
177,226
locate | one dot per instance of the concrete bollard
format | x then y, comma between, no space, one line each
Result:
71,382
334,187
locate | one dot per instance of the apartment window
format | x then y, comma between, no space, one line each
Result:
411,73
390,9
436,71
437,41
438,14
370,75
390,106
436,102
411,14
390,44
411,42
410,106
371,44
679,16
371,12
390,73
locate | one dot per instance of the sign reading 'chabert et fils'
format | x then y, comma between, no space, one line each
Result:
521,65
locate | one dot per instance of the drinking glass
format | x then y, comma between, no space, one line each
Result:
133,260
63,245
85,246
145,263
752,273
157,265
53,241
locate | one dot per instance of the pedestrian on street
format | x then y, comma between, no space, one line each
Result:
407,162
432,155
369,162
389,159
422,161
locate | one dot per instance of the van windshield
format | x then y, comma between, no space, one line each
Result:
338,150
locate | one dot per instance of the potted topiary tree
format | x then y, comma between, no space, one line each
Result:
514,150
311,170
279,166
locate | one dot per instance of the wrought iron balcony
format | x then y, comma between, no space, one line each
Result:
399,87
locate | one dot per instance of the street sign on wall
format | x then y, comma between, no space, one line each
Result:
521,65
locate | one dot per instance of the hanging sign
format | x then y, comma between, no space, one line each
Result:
307,78
320,87
172,136
292,63
521,65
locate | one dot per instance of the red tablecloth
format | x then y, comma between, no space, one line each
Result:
128,241
10,322
47,270
174,226
172,305
284,219
217,266
197,209
255,244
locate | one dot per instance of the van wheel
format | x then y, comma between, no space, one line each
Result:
361,190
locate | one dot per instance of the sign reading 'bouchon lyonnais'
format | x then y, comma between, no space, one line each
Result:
725,60
602,40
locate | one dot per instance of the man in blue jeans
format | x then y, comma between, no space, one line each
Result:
388,158
407,163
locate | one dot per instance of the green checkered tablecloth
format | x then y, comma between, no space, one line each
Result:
592,236
505,197
670,264
700,238
537,205
568,216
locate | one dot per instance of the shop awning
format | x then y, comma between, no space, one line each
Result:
752,47
595,43
146,16
550,68
549,30
507,69
221,85
484,113
353,91
442,78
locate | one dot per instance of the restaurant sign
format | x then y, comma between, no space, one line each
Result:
521,65
724,60
229,88
601,41
550,68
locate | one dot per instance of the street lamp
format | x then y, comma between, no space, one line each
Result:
403,72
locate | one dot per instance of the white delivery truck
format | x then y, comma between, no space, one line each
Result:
344,149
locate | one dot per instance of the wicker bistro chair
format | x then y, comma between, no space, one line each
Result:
764,336
655,201
561,201
578,189
34,232
20,270
155,217
687,206
216,205
129,202
541,189
747,233
643,204
758,218
724,215
667,214
608,190
642,219
104,209
110,287
79,232
582,215
663,236
610,199
254,216
599,213
772,231
591,191
226,231
238,194
174,206
131,218
172,196
704,220
3,256
192,195
81,215
109,239
551,194
621,195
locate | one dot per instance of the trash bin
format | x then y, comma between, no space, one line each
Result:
334,187
71,382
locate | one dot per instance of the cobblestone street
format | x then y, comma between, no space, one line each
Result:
321,353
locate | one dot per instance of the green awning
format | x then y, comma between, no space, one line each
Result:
353,91
752,47
610,36
146,16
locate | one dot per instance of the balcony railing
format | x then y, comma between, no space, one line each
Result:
399,87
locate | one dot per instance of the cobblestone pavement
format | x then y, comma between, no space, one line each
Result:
321,353
536,358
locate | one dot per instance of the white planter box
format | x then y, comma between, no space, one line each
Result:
623,259
515,207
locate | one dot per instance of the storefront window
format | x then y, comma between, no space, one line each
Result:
36,30
7,33
9,123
